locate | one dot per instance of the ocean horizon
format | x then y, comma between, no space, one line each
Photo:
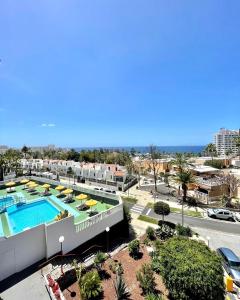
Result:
145,149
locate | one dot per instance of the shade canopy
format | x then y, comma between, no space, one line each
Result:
31,182
46,185
91,202
32,186
24,181
67,192
81,197
11,183
59,188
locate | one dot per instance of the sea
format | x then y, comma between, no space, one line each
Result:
145,149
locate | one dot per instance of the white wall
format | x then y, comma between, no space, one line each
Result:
22,250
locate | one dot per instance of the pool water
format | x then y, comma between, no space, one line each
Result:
30,215
5,201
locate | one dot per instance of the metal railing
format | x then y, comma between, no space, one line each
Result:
99,217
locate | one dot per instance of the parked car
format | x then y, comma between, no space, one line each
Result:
219,213
231,263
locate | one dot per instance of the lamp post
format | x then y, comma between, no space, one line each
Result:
107,231
208,240
61,240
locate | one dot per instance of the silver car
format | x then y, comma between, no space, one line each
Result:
231,263
219,213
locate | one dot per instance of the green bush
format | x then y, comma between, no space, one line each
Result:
145,276
184,231
153,297
90,285
150,232
190,270
116,267
133,248
165,232
99,259
215,163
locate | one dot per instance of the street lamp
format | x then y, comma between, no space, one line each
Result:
208,240
107,231
61,240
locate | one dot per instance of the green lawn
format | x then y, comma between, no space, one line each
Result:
187,212
129,199
148,219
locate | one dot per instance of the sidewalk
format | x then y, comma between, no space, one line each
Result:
145,197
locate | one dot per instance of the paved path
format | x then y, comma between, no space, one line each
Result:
32,287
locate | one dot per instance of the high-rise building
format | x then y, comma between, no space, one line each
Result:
224,141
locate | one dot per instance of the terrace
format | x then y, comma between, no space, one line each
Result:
20,192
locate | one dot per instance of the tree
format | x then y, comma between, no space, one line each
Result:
145,276
215,163
121,289
190,270
90,285
236,141
184,178
153,164
233,183
211,150
25,150
161,208
70,173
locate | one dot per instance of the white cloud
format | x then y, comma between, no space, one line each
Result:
48,125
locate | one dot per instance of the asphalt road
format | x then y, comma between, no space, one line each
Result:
218,225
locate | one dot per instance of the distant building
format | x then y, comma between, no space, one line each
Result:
42,148
3,149
224,141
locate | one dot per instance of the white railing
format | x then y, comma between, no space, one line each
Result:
99,217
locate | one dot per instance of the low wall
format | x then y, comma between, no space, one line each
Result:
22,250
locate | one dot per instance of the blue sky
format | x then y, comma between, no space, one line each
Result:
118,73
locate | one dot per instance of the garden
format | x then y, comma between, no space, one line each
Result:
169,262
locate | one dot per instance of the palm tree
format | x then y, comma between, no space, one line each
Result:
180,161
237,143
184,178
211,150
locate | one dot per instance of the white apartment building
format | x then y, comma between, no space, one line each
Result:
224,141
88,171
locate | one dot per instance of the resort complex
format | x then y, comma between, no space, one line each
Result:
35,212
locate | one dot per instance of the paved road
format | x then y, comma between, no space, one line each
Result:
218,225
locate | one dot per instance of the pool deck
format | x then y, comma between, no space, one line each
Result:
79,216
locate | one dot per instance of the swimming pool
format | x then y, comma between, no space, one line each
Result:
30,215
6,201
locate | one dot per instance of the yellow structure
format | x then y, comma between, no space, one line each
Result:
67,192
59,188
30,183
81,197
46,186
11,183
91,202
24,181
229,283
